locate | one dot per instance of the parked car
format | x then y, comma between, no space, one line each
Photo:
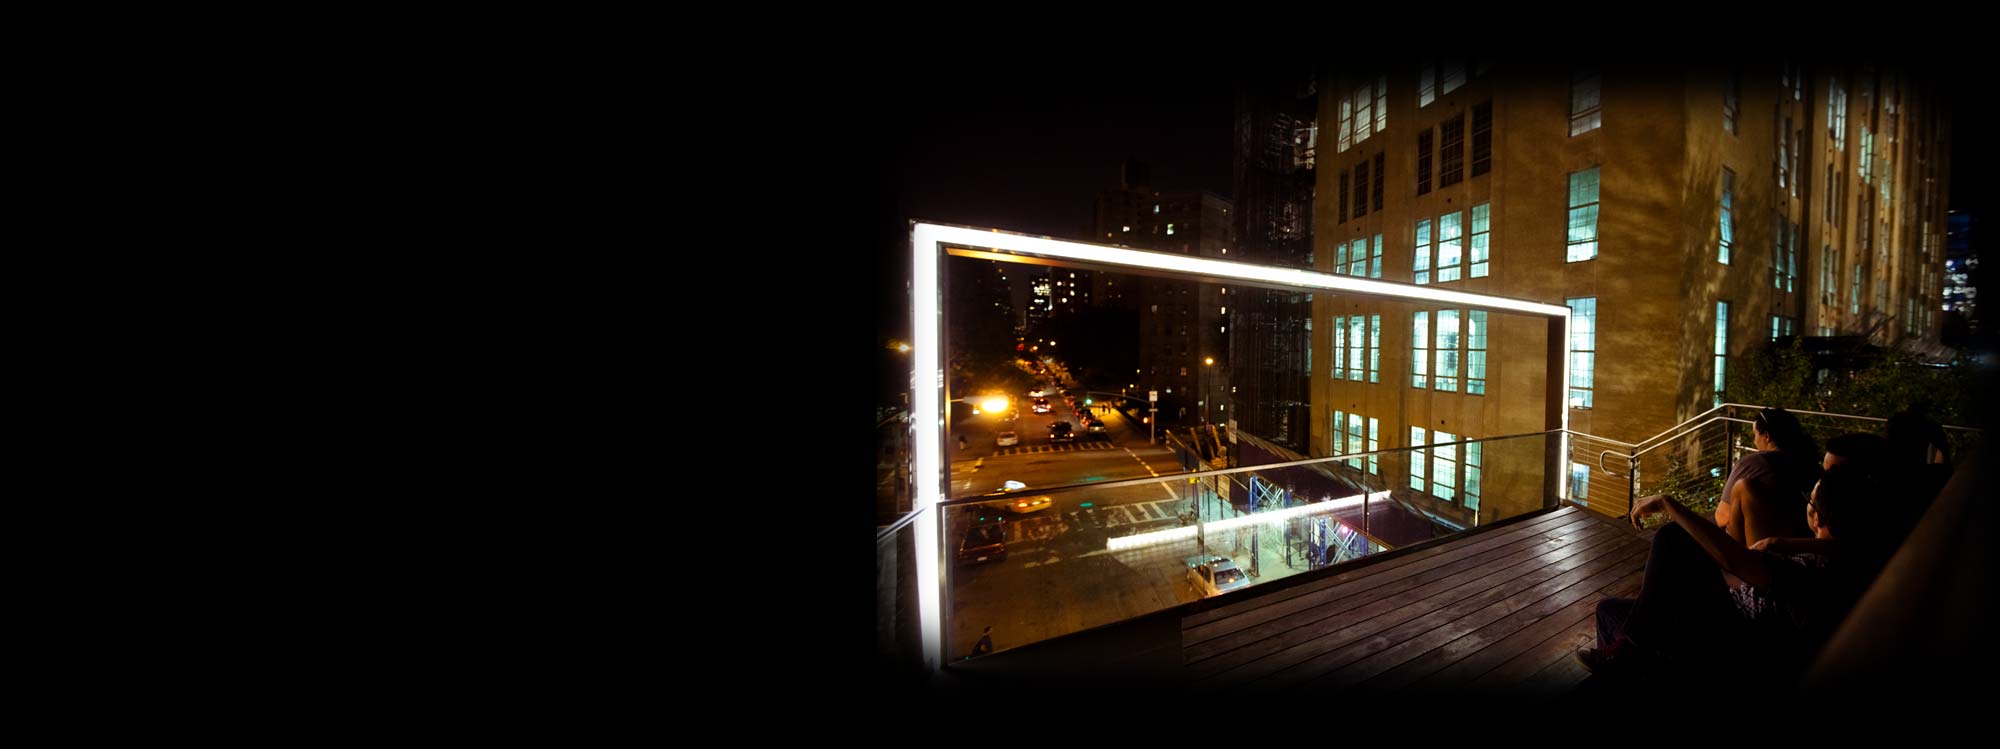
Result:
1061,432
1215,575
985,541
1007,439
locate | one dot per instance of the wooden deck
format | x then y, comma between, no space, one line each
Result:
1500,610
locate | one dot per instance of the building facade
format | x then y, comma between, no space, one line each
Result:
1270,359
1687,216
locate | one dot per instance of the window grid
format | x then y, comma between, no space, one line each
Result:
1444,467
1381,107
1583,201
1472,465
1451,134
1339,347
1374,348
1450,227
1361,189
1424,162
1379,171
1854,297
1836,114
1364,113
1475,354
1728,230
1778,254
1422,263
1721,347
1420,352
1354,439
1582,350
1481,236
1482,138
1375,259
1417,458
1355,351
1333,436
1373,468
1447,350
1586,111
1729,101
1346,124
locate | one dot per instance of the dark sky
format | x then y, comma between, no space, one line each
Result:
1027,149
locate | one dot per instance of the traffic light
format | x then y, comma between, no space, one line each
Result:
1086,401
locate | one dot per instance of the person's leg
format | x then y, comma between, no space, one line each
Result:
1611,616
1683,604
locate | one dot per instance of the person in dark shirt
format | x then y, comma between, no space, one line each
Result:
1685,613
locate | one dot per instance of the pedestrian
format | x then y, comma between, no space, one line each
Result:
961,442
985,644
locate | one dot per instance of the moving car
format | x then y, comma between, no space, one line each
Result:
1025,505
1042,406
1007,439
1061,432
1095,426
1214,575
985,541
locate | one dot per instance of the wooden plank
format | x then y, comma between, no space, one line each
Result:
1525,613
1560,676
1563,644
1475,665
1560,517
1417,636
1327,642
1369,579
1369,598
1451,640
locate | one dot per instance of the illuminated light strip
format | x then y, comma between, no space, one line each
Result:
1134,541
926,240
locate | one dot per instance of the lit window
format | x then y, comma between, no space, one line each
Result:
1586,110
1472,457
1854,297
1340,348
1450,229
1333,439
1354,439
1583,197
1381,104
1475,352
1225,311
1444,467
1375,259
1579,483
1354,349
1721,347
1420,351
1481,236
1728,230
1374,348
1836,114
1128,228
1372,467
1729,101
1582,350
1170,229
1447,350
1422,264
1364,113
1156,207
1346,124
1417,457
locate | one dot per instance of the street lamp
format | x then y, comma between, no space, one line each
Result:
1208,385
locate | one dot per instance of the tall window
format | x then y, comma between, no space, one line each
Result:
1482,138
1334,440
1444,466
1721,347
1355,351
1729,94
1354,439
1339,348
1586,110
1728,226
1372,442
1579,483
1475,352
1343,196
1582,350
1424,162
1378,181
1364,112
1778,254
1381,105
1374,348
1829,276
1361,189
1422,263
1417,458
1452,134
1375,259
1867,149
1449,231
1472,458
1836,115
1437,78
1420,341
1784,149
1447,350
1854,297
1346,124
1583,195
1481,236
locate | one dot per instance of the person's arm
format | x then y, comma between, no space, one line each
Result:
1728,553
1760,516
1796,545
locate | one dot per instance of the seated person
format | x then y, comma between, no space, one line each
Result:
1770,485
1867,451
1685,613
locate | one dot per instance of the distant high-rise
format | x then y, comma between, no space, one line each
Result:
1276,139
1961,268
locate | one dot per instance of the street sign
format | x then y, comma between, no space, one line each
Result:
1153,395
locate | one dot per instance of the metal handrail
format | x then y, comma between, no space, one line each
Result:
1224,471
883,533
1607,471
1703,424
